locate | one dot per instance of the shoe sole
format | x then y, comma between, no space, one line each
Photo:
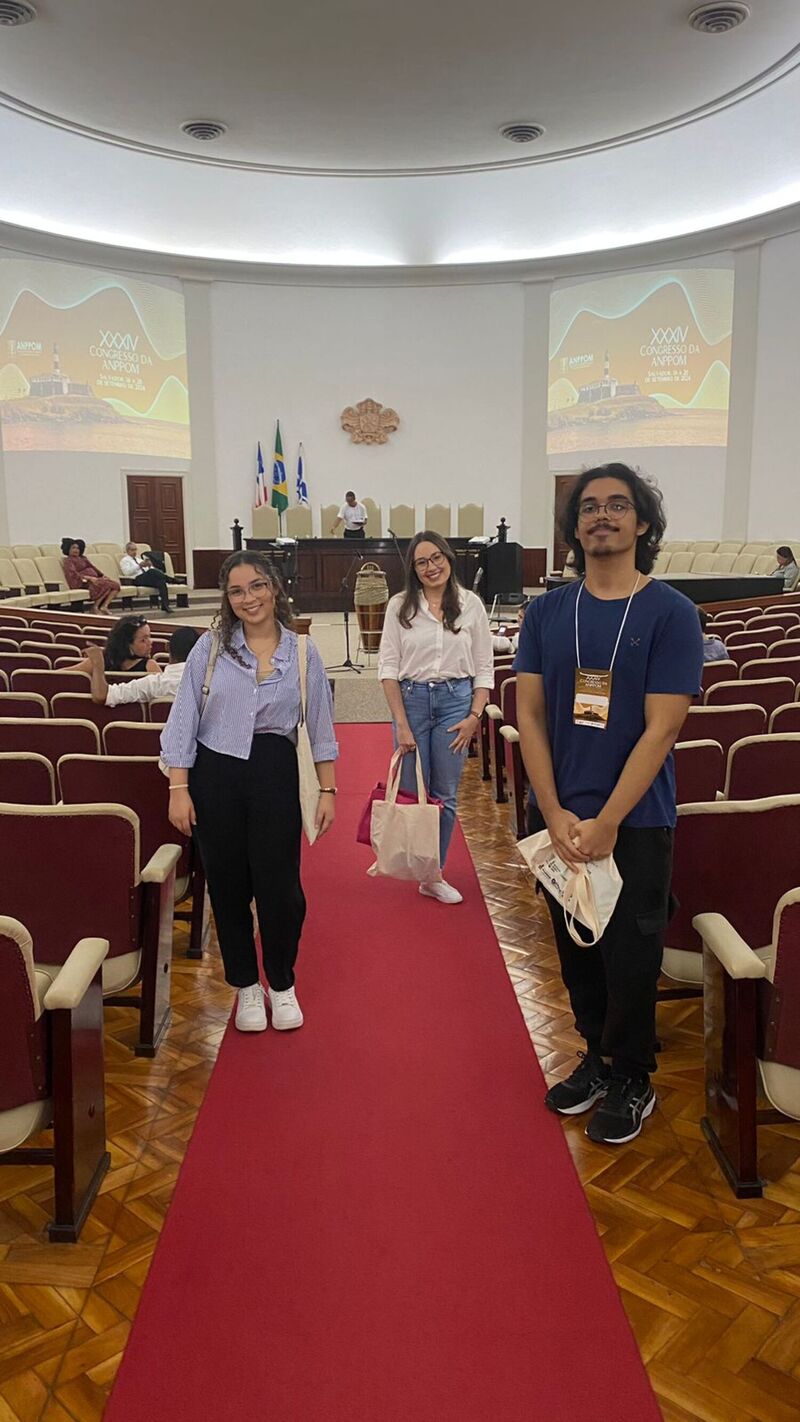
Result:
260,1028
623,1140
578,1110
448,903
289,1027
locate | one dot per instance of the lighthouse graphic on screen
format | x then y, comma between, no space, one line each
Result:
56,383
609,388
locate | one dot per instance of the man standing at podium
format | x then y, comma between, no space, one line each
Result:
353,515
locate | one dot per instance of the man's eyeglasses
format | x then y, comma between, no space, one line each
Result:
436,560
259,588
614,508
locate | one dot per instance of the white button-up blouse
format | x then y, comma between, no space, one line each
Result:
426,651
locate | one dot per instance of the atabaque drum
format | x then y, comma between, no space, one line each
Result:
371,597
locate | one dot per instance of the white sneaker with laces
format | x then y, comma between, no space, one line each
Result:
442,891
251,1014
286,1014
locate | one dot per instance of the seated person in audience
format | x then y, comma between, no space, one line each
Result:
158,686
141,572
787,567
128,648
501,643
80,573
714,649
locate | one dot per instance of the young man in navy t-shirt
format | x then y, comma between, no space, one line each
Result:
606,670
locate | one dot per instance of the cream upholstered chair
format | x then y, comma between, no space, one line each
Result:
703,563
374,527
298,522
328,516
51,1069
765,563
25,550
752,1006
662,562
704,546
113,549
28,574
743,563
437,519
49,550
402,520
730,547
723,562
470,520
7,552
676,546
681,562
52,571
265,522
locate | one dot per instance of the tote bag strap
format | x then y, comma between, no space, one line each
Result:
393,778
302,663
578,896
210,665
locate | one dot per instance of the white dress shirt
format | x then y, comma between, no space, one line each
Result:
426,651
130,567
153,687
354,515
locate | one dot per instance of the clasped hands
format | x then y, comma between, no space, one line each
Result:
578,841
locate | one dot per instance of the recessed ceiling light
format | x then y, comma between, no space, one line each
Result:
201,129
521,132
716,17
16,12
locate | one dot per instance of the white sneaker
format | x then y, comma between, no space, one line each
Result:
285,1008
445,893
251,1014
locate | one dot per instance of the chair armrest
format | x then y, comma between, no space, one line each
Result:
161,865
71,982
510,734
493,712
736,957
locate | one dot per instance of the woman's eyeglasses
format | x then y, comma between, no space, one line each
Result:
259,588
436,560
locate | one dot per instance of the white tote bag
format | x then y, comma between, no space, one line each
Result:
405,837
307,770
587,894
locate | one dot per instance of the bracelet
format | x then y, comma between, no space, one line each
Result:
476,714
327,789
184,785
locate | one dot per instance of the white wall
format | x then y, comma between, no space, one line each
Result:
449,360
774,502
51,496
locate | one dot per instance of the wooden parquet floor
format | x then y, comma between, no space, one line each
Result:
711,1285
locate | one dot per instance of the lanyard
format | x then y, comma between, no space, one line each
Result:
621,625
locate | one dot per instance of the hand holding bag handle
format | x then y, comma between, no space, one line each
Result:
394,776
578,897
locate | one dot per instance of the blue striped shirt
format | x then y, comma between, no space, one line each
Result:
238,705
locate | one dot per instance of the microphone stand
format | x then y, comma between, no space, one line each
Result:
348,664
397,550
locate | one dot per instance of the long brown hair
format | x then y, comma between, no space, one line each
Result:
226,619
451,598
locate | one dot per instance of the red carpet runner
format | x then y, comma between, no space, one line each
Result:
377,1220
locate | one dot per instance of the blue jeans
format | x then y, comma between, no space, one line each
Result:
431,707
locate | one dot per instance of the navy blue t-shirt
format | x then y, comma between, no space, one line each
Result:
661,650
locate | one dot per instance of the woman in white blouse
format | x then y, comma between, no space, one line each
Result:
436,667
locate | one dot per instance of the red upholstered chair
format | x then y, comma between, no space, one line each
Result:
787,648
785,719
771,666
13,620
7,644
66,703
22,661
718,671
748,652
512,755
125,738
775,616
770,635
491,721
93,878
734,857
26,779
39,649
724,724
38,634
768,692
69,630
760,766
137,782
48,683
722,626
50,738
14,703
51,1070
752,1011
793,634
161,707
699,770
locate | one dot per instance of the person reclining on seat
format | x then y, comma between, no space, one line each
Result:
158,686
141,571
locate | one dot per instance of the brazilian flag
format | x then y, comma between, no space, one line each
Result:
280,492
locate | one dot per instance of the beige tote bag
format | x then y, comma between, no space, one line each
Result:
309,782
405,837
587,894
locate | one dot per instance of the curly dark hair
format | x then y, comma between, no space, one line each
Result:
118,648
647,499
226,619
66,544
451,599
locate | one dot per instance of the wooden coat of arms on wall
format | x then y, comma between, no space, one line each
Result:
369,422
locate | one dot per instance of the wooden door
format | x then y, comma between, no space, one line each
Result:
565,483
155,514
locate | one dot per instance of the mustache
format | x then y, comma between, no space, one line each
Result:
597,526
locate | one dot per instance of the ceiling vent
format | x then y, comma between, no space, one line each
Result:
16,12
716,17
201,129
521,132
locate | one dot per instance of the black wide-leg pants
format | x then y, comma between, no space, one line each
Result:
613,985
248,830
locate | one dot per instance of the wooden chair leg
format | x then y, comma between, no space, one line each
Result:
154,1011
518,784
79,1114
486,768
730,1122
500,795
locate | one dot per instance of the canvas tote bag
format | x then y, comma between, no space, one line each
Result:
405,838
587,894
309,782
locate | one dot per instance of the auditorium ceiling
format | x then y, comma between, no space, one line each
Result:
363,133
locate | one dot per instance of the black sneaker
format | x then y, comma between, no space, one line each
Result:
628,1101
589,1081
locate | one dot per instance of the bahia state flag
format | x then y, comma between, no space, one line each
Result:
300,483
280,492
261,494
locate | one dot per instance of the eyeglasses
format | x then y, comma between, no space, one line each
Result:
260,588
615,508
435,561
